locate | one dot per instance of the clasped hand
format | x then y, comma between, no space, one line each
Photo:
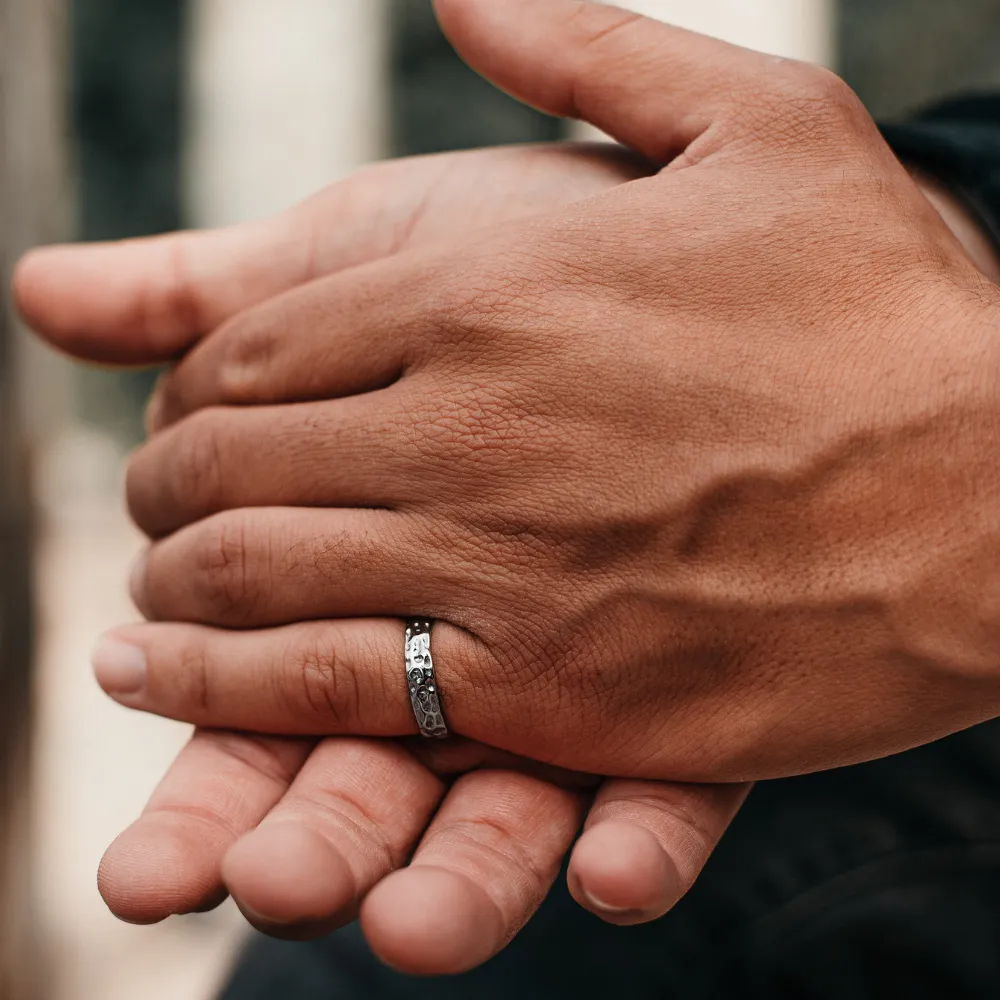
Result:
694,469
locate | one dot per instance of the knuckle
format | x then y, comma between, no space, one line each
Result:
417,320
248,349
174,304
180,477
195,680
324,684
230,583
806,103
177,478
199,458
499,305
168,403
821,84
488,296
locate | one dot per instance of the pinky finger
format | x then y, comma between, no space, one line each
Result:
645,843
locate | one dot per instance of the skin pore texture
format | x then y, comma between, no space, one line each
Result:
695,470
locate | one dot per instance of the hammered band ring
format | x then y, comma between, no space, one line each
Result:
424,694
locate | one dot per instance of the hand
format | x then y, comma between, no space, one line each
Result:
709,507
947,257
340,816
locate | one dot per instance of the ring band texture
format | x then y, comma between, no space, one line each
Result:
424,694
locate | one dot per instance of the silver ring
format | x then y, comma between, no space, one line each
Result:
424,695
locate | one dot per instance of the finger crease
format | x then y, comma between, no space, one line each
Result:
495,839
255,753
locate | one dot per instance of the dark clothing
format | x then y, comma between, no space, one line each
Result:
958,141
875,882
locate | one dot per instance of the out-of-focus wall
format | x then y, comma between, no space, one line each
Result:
283,98
38,205
31,199
125,102
901,54
437,103
126,107
802,29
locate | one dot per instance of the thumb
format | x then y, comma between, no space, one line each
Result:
653,87
145,301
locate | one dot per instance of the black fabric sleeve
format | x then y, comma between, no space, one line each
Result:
958,143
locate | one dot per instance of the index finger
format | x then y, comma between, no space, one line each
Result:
140,302
146,301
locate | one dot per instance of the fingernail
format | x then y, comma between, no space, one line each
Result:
137,579
259,920
623,916
120,668
599,904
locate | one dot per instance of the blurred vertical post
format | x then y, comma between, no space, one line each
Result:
31,169
797,29
283,98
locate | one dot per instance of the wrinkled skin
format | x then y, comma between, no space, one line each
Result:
709,506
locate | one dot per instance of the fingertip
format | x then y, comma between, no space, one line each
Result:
56,291
120,667
31,281
113,303
50,282
285,877
429,921
621,873
160,867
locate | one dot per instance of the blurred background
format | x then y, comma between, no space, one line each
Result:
120,118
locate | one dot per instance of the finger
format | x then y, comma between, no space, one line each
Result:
146,301
272,566
645,843
482,869
653,87
343,335
169,861
380,318
341,453
351,817
310,678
